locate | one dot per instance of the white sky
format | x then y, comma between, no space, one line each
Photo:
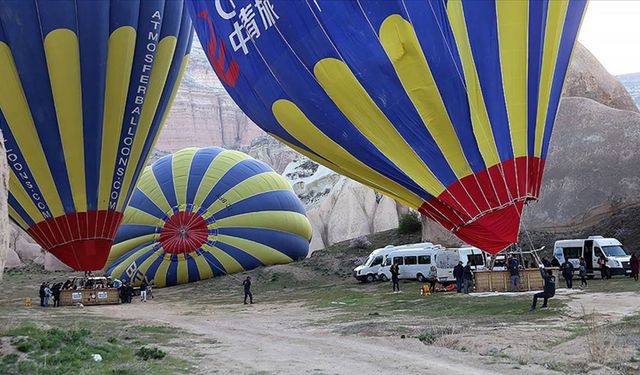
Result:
611,31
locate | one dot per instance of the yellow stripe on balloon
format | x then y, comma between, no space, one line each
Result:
479,116
122,44
204,268
556,15
23,198
180,168
220,165
160,278
256,184
284,221
230,265
123,247
182,270
17,113
296,123
513,18
159,73
264,253
399,40
121,267
354,102
63,61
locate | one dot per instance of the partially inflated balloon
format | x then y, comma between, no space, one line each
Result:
85,87
205,212
447,106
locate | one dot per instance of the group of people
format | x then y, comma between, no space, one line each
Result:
126,291
464,277
47,292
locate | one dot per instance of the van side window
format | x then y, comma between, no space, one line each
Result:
598,251
377,260
475,259
410,260
398,260
424,259
572,252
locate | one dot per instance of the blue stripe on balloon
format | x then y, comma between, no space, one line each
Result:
216,267
124,13
292,245
93,32
246,260
185,36
201,161
163,172
482,29
192,269
172,271
129,231
13,203
153,268
127,257
143,203
276,200
537,23
60,14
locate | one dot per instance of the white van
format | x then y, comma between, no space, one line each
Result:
449,258
591,249
368,271
414,263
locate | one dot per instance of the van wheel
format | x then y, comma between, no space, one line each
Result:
370,278
384,278
421,278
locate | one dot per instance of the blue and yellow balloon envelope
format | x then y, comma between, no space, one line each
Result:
206,212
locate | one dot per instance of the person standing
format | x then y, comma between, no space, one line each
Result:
42,294
55,290
395,276
432,278
247,290
143,290
602,263
549,288
467,275
47,295
458,272
635,266
514,271
583,272
567,273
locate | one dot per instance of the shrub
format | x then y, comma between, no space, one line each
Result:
361,242
150,353
409,223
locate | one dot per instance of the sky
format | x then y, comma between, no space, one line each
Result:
611,31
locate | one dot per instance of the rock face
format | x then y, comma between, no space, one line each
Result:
589,79
203,114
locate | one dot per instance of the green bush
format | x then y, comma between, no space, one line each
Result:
24,346
409,223
150,353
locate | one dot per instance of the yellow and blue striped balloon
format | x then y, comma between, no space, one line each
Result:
85,87
200,213
445,105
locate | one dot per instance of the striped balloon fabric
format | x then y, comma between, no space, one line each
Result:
85,87
444,105
206,212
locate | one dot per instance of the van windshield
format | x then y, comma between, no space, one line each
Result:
368,261
614,251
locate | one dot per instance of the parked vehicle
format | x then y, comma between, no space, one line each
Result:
414,263
591,249
447,259
368,271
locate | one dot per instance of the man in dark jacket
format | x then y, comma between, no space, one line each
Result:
458,273
567,273
55,290
42,294
247,290
549,288
395,276
467,275
514,271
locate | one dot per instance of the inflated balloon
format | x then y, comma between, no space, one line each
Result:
85,87
446,106
205,212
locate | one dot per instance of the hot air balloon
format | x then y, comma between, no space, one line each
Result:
207,212
446,106
85,88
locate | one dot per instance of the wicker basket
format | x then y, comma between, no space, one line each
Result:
500,281
71,297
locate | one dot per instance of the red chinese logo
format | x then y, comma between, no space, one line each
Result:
215,47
